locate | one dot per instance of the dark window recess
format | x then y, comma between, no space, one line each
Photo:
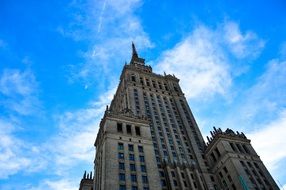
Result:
121,166
120,146
133,78
245,148
120,155
217,152
119,127
143,168
128,129
140,148
122,187
132,167
133,178
144,179
137,130
122,177
131,147
225,169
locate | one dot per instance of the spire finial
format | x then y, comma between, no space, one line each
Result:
134,52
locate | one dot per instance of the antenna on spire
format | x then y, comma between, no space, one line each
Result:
134,52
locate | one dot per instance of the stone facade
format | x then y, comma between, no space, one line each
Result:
235,163
149,139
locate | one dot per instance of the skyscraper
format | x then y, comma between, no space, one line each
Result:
149,139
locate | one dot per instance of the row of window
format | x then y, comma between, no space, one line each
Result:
130,147
133,187
131,157
128,129
239,148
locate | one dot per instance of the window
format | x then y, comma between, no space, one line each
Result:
225,169
145,188
131,157
144,179
173,173
134,187
217,152
128,128
133,78
175,183
233,147
245,148
119,127
143,168
133,178
142,159
140,148
121,177
120,146
163,183
121,166
122,187
131,147
132,167
137,131
120,155
162,174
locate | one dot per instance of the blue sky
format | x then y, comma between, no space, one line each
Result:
60,63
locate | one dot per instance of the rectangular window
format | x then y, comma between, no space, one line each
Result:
119,127
120,146
145,188
140,148
137,130
131,147
122,187
128,128
175,183
142,158
133,78
144,179
120,155
121,177
121,166
132,167
134,187
133,178
143,168
163,183
131,157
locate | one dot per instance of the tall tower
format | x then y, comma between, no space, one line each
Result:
149,139
149,124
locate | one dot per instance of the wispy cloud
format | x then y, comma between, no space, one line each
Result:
62,184
203,60
15,154
109,27
242,45
19,91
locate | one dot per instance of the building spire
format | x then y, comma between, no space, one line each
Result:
134,52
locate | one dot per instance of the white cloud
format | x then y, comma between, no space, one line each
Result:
19,91
269,140
204,60
241,45
15,154
62,184
267,97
